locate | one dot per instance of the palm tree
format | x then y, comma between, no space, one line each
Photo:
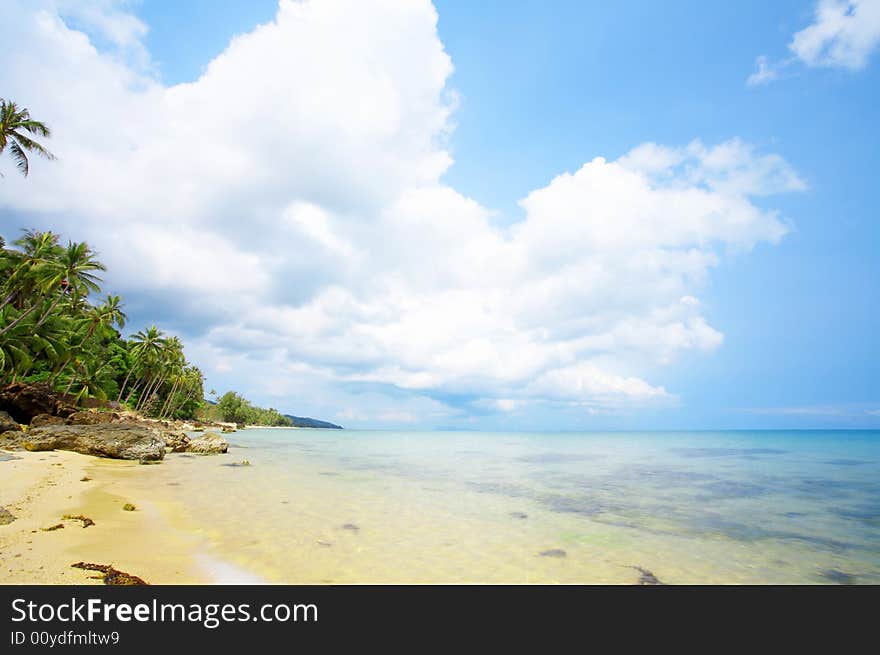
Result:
13,123
108,313
147,346
68,272
71,274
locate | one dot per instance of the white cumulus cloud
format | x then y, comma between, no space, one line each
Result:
843,34
286,213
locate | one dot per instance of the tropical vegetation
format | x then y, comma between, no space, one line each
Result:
234,408
16,129
54,329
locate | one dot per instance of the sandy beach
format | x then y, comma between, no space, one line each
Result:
40,488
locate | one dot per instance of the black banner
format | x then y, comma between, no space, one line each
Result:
124,618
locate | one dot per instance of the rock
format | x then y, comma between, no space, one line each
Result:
176,442
41,420
6,517
350,526
553,552
113,440
91,418
8,424
24,401
647,578
209,443
519,515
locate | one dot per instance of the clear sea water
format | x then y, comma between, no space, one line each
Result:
320,506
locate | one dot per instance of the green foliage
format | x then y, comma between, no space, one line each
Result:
233,408
14,123
52,331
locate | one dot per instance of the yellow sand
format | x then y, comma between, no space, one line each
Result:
40,488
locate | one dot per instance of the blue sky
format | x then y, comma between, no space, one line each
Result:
538,89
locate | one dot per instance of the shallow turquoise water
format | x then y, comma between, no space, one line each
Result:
713,507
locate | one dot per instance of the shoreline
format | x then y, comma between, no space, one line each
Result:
40,488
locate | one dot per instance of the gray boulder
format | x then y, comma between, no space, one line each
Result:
91,418
209,443
41,420
113,440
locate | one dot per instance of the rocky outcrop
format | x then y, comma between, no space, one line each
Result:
42,420
92,418
8,424
176,442
24,401
209,443
114,440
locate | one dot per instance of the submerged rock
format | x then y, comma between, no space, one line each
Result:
553,552
646,577
519,515
838,577
351,527
209,443
113,440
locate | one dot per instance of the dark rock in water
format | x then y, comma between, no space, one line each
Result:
91,418
6,517
113,440
646,577
553,552
51,528
209,443
110,575
240,464
838,577
323,543
350,526
519,515
24,401
41,420
8,424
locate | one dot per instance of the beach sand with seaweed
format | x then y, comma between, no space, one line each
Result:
39,489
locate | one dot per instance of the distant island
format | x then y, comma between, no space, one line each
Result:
235,408
304,422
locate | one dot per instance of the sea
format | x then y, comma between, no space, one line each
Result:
308,506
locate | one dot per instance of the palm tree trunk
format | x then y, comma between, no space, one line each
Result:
148,395
20,318
51,307
125,383
8,299
170,398
137,386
